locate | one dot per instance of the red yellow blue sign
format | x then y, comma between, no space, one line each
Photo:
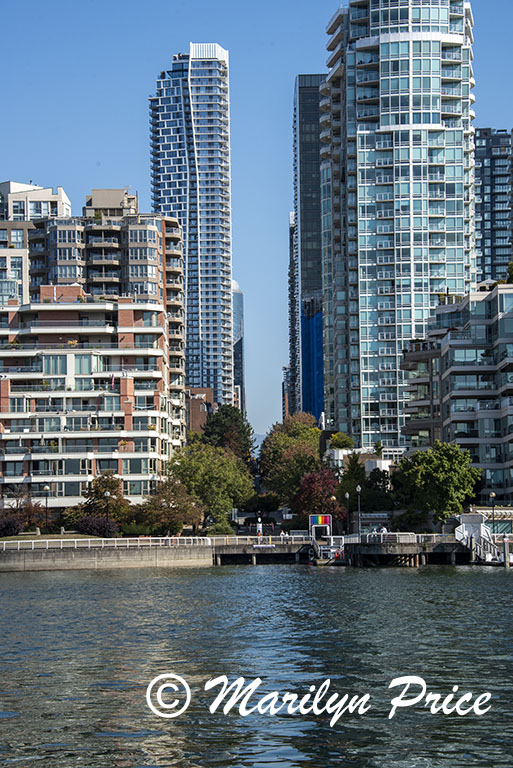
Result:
320,520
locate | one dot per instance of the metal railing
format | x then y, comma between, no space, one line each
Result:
148,541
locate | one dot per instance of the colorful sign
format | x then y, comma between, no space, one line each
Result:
320,520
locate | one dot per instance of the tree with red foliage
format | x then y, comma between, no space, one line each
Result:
317,496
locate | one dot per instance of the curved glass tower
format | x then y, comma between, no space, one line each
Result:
190,172
397,149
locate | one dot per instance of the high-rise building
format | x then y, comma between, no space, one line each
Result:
20,205
293,369
85,388
116,253
397,182
26,202
190,173
305,273
238,347
494,185
461,384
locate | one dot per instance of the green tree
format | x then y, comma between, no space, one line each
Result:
378,448
214,476
98,504
286,473
227,428
509,278
170,507
437,481
341,440
354,474
289,451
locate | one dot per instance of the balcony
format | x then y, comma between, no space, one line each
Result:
105,277
104,242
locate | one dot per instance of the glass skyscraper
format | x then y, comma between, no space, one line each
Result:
494,172
305,298
190,172
397,181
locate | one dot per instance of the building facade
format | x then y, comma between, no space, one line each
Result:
494,185
85,387
238,348
305,289
27,202
397,152
190,174
460,384
115,253
20,205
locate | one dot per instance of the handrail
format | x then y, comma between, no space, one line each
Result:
147,541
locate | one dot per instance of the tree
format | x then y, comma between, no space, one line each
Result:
227,428
166,510
354,475
509,278
33,514
286,473
378,448
317,496
97,504
437,481
263,503
213,476
341,440
290,450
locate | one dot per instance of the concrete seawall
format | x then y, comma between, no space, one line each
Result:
98,558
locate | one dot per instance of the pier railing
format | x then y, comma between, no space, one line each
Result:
148,541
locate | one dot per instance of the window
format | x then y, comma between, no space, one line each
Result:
18,210
54,364
17,238
83,364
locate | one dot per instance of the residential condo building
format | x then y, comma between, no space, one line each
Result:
397,197
190,174
305,292
85,387
92,372
238,348
20,206
494,185
460,384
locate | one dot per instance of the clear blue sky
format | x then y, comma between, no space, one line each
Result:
76,80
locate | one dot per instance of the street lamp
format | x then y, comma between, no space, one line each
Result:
106,496
46,489
492,499
346,494
358,491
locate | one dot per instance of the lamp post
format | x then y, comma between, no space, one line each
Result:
358,491
333,500
106,496
492,499
46,489
346,494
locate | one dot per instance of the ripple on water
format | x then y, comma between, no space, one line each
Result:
78,649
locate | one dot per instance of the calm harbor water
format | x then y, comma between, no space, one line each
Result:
78,649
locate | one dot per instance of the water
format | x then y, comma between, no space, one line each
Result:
78,649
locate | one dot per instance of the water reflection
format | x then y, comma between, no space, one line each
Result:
78,650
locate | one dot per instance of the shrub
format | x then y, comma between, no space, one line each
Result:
135,529
97,526
221,528
10,525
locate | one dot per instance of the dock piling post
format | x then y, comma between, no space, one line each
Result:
505,543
